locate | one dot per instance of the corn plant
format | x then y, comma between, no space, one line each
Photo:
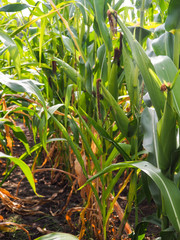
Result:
87,77
164,127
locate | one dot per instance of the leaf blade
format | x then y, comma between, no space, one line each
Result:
24,167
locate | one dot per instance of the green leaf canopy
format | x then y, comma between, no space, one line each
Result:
173,19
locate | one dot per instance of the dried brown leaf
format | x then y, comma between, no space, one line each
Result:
81,178
4,224
69,214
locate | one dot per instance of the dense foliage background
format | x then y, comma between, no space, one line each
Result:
97,81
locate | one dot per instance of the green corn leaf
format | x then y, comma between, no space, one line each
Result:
101,54
67,101
26,25
166,131
57,236
115,153
163,5
132,192
68,138
95,140
28,86
71,72
113,81
82,5
18,133
163,45
144,64
14,7
118,113
35,64
166,71
21,109
42,32
103,133
24,167
110,168
88,78
173,20
140,32
74,38
42,128
53,108
169,190
39,145
149,122
118,4
99,13
110,210
13,50
173,23
77,153
131,75
113,182
68,44
25,86
88,147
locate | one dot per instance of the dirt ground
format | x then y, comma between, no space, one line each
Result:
44,215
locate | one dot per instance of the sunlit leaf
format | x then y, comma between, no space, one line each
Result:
68,44
14,7
57,236
166,71
118,113
99,12
18,133
13,50
144,64
24,167
70,71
